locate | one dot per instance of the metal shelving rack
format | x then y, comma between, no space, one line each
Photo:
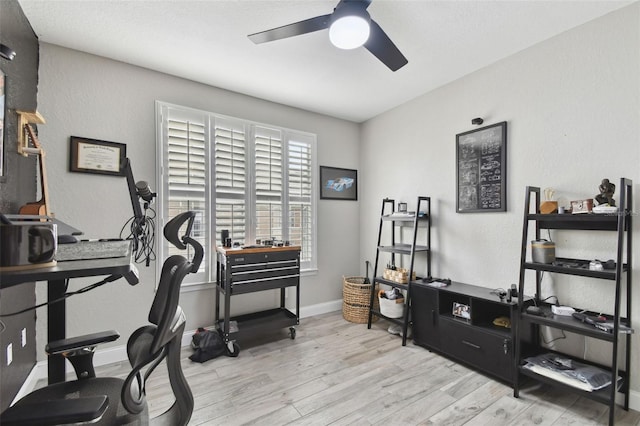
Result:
422,215
620,223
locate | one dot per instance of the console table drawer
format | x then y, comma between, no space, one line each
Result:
487,351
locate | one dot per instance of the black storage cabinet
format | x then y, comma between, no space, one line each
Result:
476,342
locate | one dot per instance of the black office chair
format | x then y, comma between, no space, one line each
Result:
113,401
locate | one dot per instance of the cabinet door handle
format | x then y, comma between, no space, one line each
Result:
474,346
505,346
433,317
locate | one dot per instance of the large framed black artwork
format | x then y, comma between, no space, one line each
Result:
338,184
481,161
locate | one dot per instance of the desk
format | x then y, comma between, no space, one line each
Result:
56,277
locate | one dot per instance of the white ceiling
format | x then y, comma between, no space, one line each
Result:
206,41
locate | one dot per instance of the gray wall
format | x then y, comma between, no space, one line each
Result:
95,97
572,105
17,186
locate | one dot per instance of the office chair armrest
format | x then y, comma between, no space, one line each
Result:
81,342
79,351
56,412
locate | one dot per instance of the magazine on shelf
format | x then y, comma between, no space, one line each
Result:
608,327
569,371
402,214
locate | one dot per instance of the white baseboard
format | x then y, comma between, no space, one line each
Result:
119,353
321,308
634,400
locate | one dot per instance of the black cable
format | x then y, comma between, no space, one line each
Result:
564,336
143,233
557,300
65,296
148,238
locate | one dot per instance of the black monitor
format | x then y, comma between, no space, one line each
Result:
138,216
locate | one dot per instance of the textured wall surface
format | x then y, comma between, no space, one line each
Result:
17,186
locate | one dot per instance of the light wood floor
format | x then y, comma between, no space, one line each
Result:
340,373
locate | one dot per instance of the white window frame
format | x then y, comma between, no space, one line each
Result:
206,276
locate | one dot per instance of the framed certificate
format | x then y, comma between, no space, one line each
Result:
95,156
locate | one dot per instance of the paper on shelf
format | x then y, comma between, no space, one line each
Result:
569,371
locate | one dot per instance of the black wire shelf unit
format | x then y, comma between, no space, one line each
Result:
420,223
619,225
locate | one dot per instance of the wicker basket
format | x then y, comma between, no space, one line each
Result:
355,300
399,275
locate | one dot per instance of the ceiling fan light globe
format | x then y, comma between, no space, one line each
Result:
349,32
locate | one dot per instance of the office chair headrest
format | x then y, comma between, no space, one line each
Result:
172,234
172,228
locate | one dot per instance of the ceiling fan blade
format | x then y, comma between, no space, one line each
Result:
365,3
291,30
383,48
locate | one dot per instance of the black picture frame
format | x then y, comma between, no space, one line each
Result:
96,156
462,311
338,184
481,175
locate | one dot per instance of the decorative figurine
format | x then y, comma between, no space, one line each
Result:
606,193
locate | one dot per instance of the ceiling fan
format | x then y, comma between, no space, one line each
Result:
350,26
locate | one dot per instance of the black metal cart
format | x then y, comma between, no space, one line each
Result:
249,270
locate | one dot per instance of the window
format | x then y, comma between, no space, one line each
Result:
184,186
254,180
269,172
230,178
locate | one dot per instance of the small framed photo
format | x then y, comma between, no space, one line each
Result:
338,184
461,311
96,156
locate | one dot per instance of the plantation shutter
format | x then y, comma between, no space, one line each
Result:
230,178
186,174
300,194
269,184
254,180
